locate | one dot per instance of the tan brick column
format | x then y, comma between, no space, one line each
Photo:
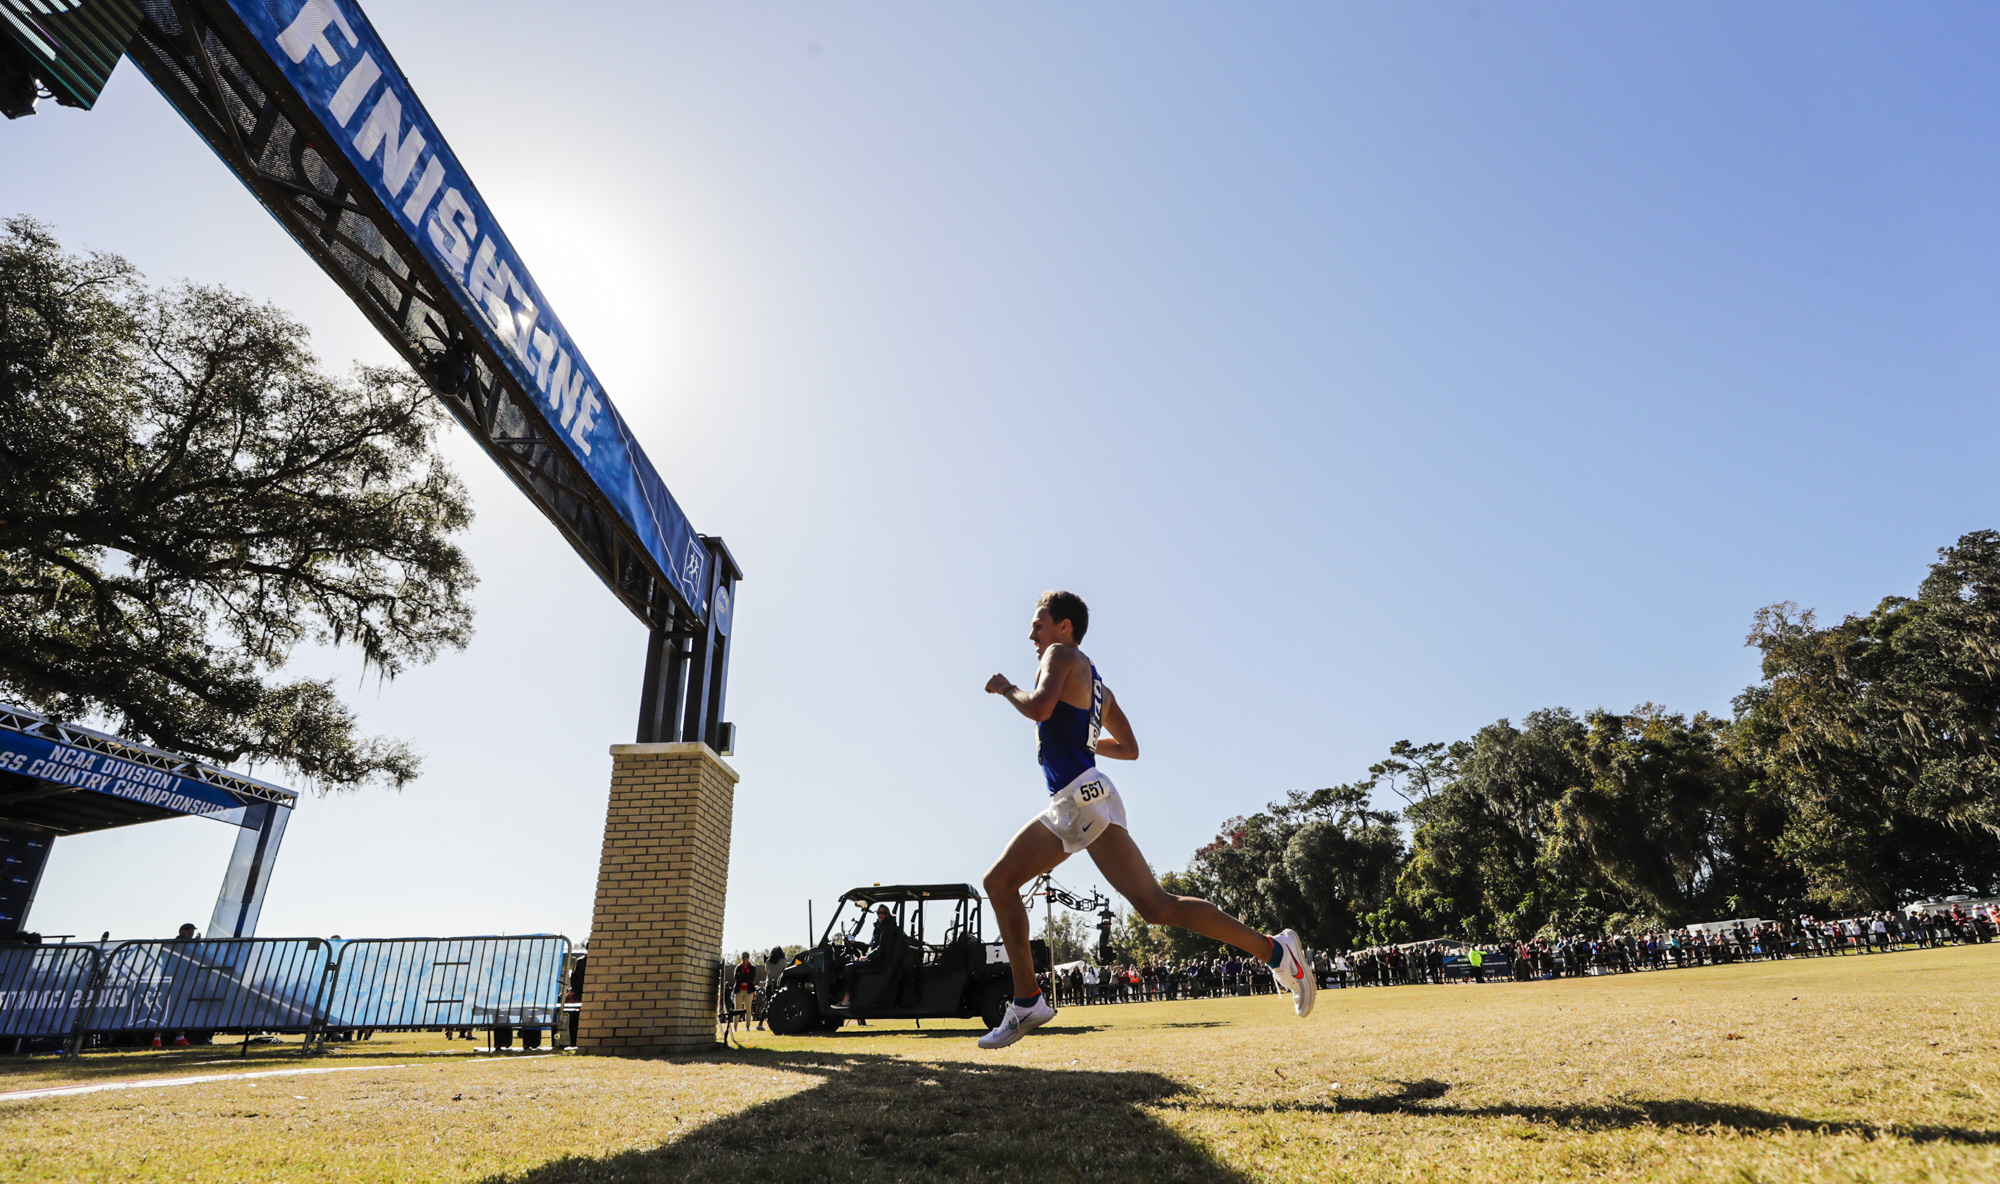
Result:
657,928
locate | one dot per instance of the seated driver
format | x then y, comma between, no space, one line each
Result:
878,950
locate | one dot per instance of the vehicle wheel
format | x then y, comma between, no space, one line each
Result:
993,1002
829,1023
794,1012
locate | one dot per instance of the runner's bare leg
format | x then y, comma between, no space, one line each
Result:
1031,853
1118,857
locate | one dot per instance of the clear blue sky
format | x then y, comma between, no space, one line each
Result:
1375,371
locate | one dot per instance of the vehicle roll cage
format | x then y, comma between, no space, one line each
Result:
967,916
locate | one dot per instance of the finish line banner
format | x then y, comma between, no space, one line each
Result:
331,54
99,772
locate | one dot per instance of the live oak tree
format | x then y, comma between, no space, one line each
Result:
1883,734
1674,820
1318,862
185,499
1479,866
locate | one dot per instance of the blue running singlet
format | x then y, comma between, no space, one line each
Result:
1066,742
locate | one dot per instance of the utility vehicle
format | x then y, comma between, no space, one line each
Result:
938,965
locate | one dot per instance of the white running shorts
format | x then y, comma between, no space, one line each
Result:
1080,811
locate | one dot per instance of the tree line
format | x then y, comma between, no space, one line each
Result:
1862,771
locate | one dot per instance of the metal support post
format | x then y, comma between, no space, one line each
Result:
687,667
695,713
73,1044
709,726
256,853
314,1040
660,697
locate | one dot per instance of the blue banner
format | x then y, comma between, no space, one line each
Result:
98,772
331,54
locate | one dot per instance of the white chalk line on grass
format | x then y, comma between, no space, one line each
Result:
59,1091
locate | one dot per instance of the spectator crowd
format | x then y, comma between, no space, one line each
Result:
1437,962
1085,983
1079,983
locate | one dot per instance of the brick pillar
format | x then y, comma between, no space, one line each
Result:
657,928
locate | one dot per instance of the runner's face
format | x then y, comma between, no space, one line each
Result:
1044,631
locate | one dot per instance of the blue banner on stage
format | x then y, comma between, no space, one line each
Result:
100,772
331,54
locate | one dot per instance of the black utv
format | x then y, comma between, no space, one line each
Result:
937,966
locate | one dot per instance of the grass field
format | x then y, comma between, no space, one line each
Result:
1859,1068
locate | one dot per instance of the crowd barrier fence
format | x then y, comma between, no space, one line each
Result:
448,982
305,986
260,984
43,988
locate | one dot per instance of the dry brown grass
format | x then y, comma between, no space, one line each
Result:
1875,1068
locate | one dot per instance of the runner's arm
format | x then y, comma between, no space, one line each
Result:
1040,703
1115,739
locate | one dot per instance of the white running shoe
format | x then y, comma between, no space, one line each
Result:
1018,1022
1294,972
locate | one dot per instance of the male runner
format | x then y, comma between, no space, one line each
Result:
1078,720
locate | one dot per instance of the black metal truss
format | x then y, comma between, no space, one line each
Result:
238,102
1057,894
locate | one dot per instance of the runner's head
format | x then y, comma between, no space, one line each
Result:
1059,617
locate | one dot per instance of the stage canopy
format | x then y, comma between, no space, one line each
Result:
59,779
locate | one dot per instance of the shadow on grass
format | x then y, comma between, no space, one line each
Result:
877,1118
138,1064
851,1032
1426,1098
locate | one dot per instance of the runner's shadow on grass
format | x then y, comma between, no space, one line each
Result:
872,1118
851,1032
1426,1099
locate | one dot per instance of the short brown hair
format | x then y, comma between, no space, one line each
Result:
1067,606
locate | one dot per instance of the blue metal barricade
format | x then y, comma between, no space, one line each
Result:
252,984
447,982
304,985
43,988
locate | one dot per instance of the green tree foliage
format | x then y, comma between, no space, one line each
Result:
1673,821
1567,825
1070,937
1880,733
1317,862
185,499
1135,939
1479,866
1864,771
